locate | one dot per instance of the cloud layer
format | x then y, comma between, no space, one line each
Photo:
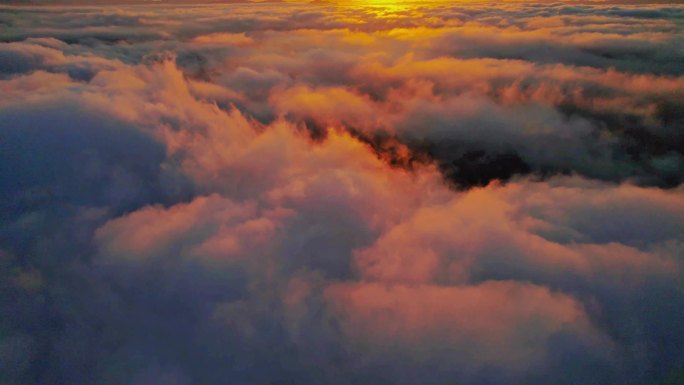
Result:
320,194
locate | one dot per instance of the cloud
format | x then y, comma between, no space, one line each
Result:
301,193
435,330
224,39
482,235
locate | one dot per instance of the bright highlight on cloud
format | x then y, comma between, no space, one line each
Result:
321,194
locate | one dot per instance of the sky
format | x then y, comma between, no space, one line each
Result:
320,193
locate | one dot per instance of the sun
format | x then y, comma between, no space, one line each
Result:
382,7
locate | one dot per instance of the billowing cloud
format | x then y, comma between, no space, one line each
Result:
321,194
